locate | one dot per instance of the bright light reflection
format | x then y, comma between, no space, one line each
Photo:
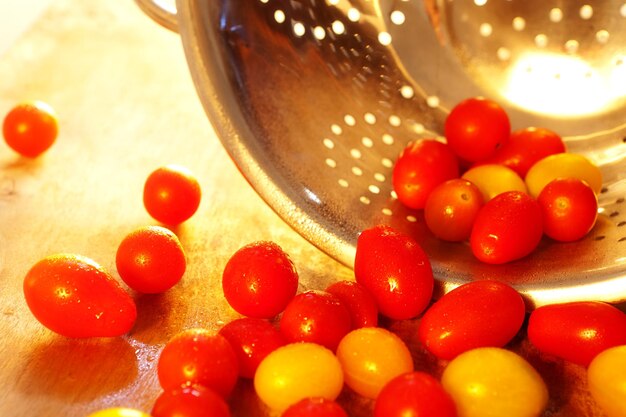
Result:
562,85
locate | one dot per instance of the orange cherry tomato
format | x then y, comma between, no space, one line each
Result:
151,259
30,128
75,297
171,194
493,179
371,357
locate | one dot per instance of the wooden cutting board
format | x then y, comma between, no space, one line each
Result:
126,106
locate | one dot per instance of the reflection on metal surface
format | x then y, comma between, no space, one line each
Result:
563,85
315,99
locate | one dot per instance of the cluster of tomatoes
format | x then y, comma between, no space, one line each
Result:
500,190
301,350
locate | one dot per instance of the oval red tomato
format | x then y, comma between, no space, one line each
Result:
198,356
315,407
476,128
414,394
190,401
359,302
569,207
420,167
476,314
396,271
451,209
75,297
259,280
150,259
525,147
577,331
252,339
316,317
508,227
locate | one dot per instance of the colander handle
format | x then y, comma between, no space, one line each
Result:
161,12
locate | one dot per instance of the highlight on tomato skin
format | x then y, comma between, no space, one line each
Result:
199,356
172,194
30,128
315,407
75,297
190,400
577,331
150,259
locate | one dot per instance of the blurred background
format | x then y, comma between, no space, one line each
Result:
16,16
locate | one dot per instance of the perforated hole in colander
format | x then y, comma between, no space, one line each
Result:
321,96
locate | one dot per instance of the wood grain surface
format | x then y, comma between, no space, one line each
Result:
127,105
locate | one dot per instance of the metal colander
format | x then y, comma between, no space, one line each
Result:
314,100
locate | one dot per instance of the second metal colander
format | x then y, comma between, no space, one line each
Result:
314,99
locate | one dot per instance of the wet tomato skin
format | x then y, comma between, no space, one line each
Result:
118,412
150,259
359,302
414,394
569,209
525,147
190,400
252,339
297,371
451,209
315,316
577,331
30,128
420,167
198,356
371,357
476,128
75,297
315,407
396,271
508,227
259,280
476,314
171,194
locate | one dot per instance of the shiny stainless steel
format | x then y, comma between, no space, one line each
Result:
314,99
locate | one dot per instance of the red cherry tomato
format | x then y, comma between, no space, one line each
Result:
476,314
150,259
252,339
75,297
525,147
359,302
190,401
30,128
198,356
315,407
259,280
171,194
414,394
422,166
396,271
508,227
316,317
451,209
476,128
569,207
577,331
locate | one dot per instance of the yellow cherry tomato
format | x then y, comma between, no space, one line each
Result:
562,165
494,179
494,382
606,376
371,357
297,371
119,412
